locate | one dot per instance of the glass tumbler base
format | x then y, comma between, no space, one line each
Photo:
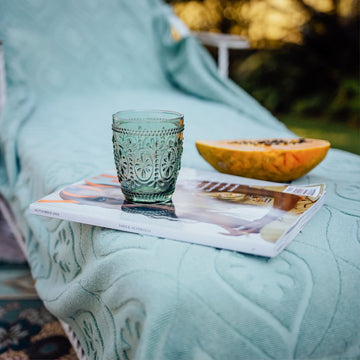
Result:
147,198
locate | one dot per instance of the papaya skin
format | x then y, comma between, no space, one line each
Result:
280,160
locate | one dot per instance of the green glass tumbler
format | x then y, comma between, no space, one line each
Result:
148,145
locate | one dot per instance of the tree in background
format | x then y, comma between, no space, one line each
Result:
304,56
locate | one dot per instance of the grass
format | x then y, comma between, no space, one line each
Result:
341,136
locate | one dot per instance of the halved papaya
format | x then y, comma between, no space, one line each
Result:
279,160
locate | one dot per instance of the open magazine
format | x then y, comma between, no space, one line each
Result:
208,208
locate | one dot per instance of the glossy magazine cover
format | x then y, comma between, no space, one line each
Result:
207,208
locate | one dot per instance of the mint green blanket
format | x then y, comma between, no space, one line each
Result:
70,65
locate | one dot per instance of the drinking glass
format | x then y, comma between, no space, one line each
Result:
147,151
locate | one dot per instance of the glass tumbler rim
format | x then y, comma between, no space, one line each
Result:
157,115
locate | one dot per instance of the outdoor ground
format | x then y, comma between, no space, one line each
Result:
341,136
27,330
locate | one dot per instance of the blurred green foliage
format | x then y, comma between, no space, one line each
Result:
320,76
287,81
340,135
317,76
310,76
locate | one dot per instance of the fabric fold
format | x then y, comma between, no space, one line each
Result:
189,67
18,108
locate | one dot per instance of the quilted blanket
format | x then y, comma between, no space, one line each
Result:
70,65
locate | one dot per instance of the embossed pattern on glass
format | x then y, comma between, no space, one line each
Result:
147,151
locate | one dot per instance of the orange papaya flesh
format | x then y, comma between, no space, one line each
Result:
280,160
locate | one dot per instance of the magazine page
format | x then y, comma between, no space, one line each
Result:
207,208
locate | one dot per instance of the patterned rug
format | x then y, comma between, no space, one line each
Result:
27,329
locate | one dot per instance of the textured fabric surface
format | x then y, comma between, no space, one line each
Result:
28,331
70,65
